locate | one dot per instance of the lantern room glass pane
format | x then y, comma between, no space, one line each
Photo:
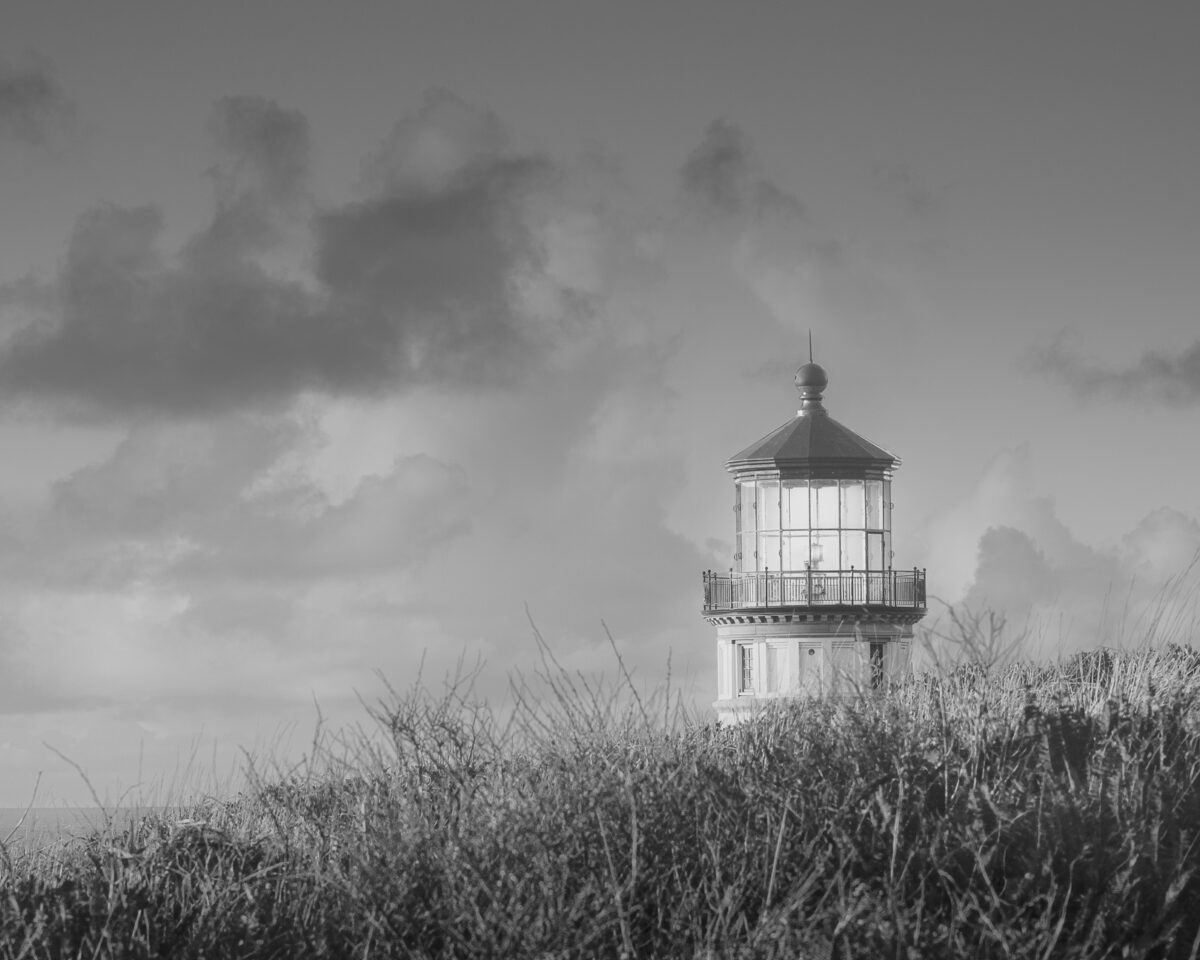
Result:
874,517
768,551
854,549
746,505
744,526
853,495
795,551
768,504
825,551
746,545
795,504
875,551
825,503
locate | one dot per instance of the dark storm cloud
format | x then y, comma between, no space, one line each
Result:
721,174
1166,378
413,283
435,269
260,183
264,140
137,334
33,106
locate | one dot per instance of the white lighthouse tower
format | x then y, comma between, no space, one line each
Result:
811,604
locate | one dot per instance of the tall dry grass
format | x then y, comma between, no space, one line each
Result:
993,811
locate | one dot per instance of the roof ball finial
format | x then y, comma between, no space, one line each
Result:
811,381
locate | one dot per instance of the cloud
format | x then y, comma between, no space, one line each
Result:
716,171
184,503
137,334
442,141
428,274
902,182
260,181
1144,592
425,279
34,110
457,400
800,269
1054,591
1012,574
1005,496
265,141
461,265
1158,377
200,572
775,250
722,174
1164,545
197,545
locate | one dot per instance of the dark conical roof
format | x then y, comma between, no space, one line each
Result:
813,439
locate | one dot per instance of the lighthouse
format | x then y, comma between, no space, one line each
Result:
812,604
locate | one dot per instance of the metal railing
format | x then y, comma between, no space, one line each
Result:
814,588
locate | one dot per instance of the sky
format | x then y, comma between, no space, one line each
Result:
344,343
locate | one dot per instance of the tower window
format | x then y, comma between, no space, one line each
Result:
877,674
776,667
745,669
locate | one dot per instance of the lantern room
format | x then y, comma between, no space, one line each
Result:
812,602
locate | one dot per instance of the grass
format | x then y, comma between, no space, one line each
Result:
993,811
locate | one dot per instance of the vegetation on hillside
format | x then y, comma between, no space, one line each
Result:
1016,811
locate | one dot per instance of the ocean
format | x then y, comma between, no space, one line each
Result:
44,825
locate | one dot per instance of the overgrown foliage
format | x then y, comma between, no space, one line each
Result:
1021,811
